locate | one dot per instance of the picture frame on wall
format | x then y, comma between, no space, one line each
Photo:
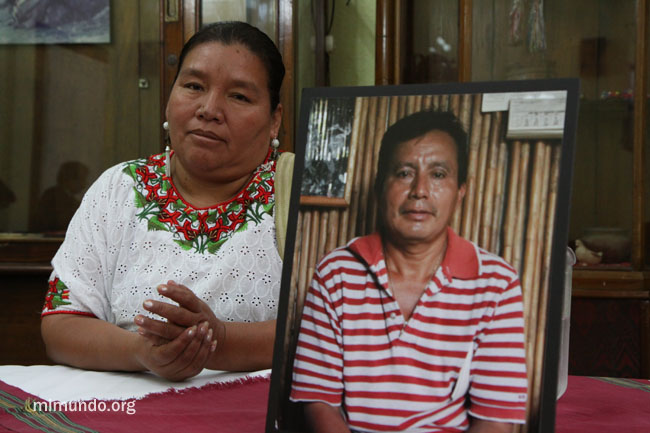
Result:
328,154
515,206
55,22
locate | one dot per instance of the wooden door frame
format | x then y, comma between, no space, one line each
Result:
390,46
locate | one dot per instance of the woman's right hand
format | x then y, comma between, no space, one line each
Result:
180,358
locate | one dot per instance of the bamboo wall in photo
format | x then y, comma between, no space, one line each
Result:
508,207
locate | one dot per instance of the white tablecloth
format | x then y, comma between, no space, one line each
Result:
62,383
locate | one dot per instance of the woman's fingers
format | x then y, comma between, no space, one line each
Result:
165,330
182,295
152,338
175,314
196,356
188,354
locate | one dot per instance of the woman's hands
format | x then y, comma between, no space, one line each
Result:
181,358
248,346
181,346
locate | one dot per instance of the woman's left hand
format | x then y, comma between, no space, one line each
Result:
190,311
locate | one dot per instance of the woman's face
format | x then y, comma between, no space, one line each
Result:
219,113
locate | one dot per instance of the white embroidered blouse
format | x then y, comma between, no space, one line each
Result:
133,232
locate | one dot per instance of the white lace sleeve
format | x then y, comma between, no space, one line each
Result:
78,284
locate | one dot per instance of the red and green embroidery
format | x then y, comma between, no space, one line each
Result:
57,295
201,230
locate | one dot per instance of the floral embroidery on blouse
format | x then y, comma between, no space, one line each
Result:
57,295
201,230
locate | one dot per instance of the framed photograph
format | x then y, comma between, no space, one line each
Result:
55,22
329,152
514,205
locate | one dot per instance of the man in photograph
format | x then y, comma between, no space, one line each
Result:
414,328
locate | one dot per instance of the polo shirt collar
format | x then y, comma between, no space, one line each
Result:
461,258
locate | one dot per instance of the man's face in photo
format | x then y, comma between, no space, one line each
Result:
421,190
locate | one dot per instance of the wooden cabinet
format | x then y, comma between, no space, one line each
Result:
606,45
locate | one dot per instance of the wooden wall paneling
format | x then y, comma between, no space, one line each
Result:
303,264
333,230
444,102
297,254
314,237
542,294
543,226
481,168
360,106
411,102
356,181
323,234
530,287
454,104
393,110
510,221
417,103
472,169
500,193
366,167
427,102
435,102
491,174
380,128
464,115
521,215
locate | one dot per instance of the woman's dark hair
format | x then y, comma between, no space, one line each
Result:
237,32
417,125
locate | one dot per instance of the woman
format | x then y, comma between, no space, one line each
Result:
188,236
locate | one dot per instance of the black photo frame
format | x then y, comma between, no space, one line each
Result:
545,149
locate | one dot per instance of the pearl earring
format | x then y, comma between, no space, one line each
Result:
275,143
166,125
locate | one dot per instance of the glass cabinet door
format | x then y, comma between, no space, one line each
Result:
595,41
70,107
260,13
431,42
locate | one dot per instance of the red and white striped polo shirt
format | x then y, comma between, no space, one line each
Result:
460,353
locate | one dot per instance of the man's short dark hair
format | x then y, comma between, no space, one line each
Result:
417,125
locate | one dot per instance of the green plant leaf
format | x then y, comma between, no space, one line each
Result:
214,246
186,245
140,200
154,224
60,286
